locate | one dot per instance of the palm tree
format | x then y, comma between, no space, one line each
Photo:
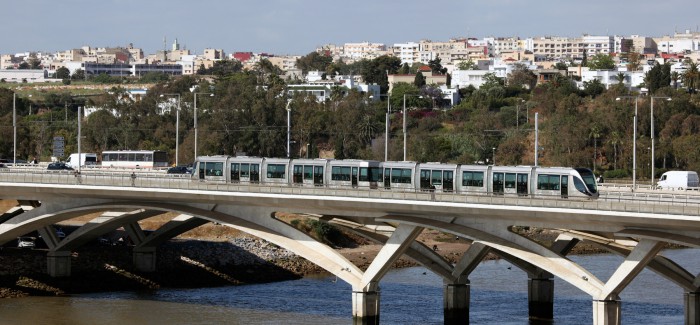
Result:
675,76
620,77
691,76
615,140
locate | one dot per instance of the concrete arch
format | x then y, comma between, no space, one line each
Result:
519,247
253,220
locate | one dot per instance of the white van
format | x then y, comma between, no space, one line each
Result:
680,180
86,159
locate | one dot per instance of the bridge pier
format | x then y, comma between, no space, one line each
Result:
58,263
365,305
145,259
692,307
607,312
540,298
456,303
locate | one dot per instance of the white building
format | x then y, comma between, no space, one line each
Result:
408,53
364,50
598,44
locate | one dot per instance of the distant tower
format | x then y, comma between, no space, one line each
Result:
176,46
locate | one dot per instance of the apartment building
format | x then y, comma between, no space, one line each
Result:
285,63
598,44
213,54
502,44
679,43
430,78
364,50
557,47
408,53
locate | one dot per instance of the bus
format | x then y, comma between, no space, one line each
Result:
135,159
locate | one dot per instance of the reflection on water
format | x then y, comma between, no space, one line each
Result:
408,296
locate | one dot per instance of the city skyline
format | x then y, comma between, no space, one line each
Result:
298,27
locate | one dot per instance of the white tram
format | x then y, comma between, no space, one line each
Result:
401,176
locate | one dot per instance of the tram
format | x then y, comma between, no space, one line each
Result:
400,176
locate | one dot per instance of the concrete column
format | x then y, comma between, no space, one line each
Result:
692,308
456,303
365,307
607,312
145,259
58,264
540,298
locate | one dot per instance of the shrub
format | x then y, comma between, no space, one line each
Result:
617,173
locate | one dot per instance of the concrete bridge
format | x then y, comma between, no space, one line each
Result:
635,227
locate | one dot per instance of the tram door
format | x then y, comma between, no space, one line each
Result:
498,182
201,170
354,176
522,184
318,175
565,186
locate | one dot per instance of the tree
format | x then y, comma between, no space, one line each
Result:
491,81
561,66
405,69
436,66
24,66
314,62
222,68
601,61
419,81
522,77
34,63
62,73
593,88
675,76
375,71
467,65
78,75
691,77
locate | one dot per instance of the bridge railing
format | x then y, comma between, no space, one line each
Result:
645,202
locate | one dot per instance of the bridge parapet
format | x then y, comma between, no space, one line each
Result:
642,202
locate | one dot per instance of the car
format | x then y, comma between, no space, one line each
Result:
25,242
60,234
58,166
2,165
178,170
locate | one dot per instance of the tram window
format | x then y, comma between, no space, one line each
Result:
473,179
522,184
375,174
123,157
548,182
308,172
395,175
364,174
340,173
406,176
436,178
139,157
578,184
131,157
149,157
510,180
276,171
245,170
214,169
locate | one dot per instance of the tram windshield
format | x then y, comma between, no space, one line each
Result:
589,179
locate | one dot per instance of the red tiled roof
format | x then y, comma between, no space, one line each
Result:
424,68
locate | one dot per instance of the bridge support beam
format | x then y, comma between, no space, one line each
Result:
607,312
692,308
456,303
540,298
145,259
58,263
365,306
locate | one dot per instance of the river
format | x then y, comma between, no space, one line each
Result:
408,296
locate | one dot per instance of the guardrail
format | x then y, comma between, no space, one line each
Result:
644,202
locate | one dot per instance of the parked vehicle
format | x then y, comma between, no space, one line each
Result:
25,242
681,180
86,159
135,159
58,166
178,170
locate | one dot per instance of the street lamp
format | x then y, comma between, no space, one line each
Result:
493,155
652,134
289,123
634,141
14,128
386,125
177,128
405,134
195,120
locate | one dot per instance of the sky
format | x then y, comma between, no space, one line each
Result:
300,26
